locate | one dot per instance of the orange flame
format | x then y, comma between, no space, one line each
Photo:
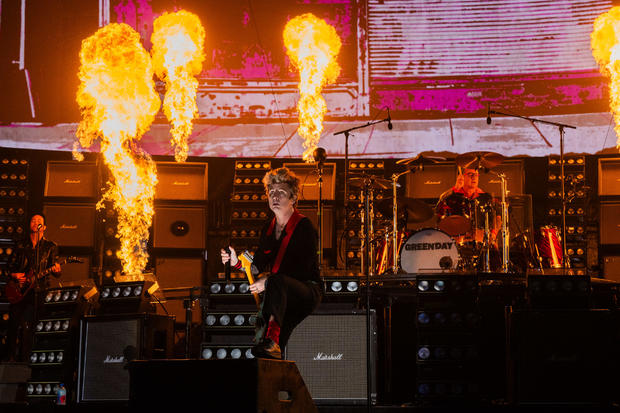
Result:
605,43
312,45
178,41
118,102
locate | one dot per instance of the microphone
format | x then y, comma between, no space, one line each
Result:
319,156
488,114
39,226
389,119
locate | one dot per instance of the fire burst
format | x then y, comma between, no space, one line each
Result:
312,45
178,40
605,42
118,102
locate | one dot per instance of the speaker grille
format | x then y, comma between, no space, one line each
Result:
330,352
106,344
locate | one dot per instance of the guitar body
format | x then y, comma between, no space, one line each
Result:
16,293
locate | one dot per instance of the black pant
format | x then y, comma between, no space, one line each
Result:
20,329
289,301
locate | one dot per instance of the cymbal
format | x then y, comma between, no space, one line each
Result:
421,159
374,181
417,211
477,160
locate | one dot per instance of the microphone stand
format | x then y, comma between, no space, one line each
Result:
347,133
561,127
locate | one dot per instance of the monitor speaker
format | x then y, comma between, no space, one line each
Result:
108,343
330,352
555,355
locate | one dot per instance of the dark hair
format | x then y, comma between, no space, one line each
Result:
41,214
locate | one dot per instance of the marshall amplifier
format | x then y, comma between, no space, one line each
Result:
330,352
432,181
70,225
181,182
71,179
609,176
515,179
108,343
610,223
308,180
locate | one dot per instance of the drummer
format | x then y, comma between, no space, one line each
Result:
458,201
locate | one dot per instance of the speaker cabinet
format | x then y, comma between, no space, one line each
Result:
610,223
611,267
328,222
70,225
330,352
182,182
520,218
179,275
74,272
108,343
515,178
308,180
71,179
257,385
432,181
179,227
566,356
609,176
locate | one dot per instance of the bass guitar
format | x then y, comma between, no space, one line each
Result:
16,293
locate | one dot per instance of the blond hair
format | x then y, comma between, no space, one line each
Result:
282,176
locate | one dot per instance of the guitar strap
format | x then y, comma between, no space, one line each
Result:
290,227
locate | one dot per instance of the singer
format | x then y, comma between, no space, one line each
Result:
34,255
287,250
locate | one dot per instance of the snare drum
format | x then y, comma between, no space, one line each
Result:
429,250
550,246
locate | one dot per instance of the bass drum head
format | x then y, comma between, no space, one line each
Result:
429,250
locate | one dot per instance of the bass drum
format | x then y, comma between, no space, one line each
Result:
429,250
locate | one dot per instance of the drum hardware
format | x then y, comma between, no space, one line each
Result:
561,129
479,160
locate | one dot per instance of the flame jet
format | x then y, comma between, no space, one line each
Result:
312,45
605,43
178,41
118,102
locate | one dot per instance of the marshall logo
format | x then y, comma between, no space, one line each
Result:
328,357
184,183
113,359
432,182
429,246
72,181
65,226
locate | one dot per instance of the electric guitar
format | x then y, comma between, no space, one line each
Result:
246,262
15,293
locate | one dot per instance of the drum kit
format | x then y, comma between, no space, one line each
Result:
468,235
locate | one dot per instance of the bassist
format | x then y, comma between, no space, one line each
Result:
33,255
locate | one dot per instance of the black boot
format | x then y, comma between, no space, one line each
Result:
267,349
